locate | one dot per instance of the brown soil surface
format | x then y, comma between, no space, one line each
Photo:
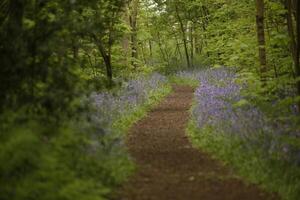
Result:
169,168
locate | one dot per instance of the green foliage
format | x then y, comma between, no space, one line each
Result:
65,166
278,99
231,34
50,49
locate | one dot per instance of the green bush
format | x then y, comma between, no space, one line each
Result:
69,165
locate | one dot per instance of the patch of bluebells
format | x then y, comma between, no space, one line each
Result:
216,98
219,104
109,107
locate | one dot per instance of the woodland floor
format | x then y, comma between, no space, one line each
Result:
169,168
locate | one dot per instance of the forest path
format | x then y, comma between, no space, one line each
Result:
169,168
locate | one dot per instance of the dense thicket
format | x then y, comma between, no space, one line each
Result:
51,49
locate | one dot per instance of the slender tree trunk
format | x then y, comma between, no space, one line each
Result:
108,65
192,43
184,38
143,52
293,8
179,51
197,43
126,40
133,24
33,51
106,55
205,20
297,63
290,26
107,61
260,7
160,47
178,46
150,48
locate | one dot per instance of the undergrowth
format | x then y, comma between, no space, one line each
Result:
274,175
74,161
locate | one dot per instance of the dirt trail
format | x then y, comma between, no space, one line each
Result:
169,168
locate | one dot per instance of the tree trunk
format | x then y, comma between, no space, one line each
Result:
143,52
192,42
106,55
107,61
293,8
260,7
133,24
198,46
184,39
150,49
297,63
290,26
126,40
161,48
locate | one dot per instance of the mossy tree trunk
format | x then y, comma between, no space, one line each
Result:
260,9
